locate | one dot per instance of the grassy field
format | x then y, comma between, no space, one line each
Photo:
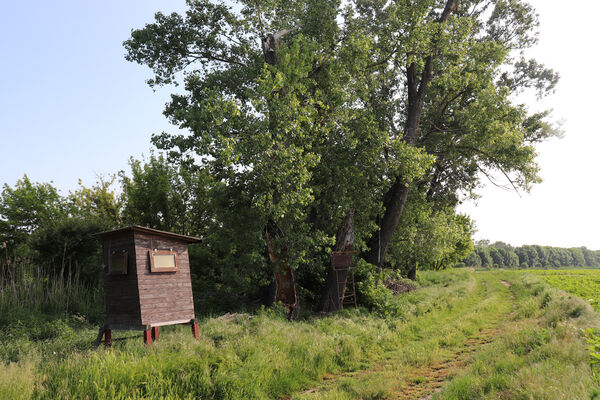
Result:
462,335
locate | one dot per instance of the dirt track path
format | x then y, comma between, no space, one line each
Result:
423,381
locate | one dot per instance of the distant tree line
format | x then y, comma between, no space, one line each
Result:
502,255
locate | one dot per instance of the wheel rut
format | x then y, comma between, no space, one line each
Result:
425,381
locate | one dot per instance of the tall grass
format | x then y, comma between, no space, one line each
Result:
540,334
264,356
26,291
19,380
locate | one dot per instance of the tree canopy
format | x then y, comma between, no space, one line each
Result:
301,111
298,114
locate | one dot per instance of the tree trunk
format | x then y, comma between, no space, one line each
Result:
412,274
335,283
380,241
284,279
398,193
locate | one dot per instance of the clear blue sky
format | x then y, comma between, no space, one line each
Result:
71,107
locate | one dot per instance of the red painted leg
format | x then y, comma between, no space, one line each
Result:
107,337
195,330
148,337
155,332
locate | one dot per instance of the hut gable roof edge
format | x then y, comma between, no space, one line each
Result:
138,228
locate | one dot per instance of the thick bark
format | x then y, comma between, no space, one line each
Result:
380,241
284,279
336,280
271,43
398,193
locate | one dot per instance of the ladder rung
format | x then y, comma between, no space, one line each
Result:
348,293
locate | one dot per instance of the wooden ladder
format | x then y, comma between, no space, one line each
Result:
348,295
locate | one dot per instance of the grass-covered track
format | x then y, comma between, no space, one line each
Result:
542,352
462,335
429,345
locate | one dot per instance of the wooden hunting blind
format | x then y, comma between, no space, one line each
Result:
147,281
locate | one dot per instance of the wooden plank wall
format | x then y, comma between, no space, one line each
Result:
164,296
122,295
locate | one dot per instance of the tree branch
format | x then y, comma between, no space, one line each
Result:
497,165
211,57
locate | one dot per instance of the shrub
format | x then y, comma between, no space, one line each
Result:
377,289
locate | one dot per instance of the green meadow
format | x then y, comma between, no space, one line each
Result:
461,335
303,138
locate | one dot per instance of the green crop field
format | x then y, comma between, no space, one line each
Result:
584,283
